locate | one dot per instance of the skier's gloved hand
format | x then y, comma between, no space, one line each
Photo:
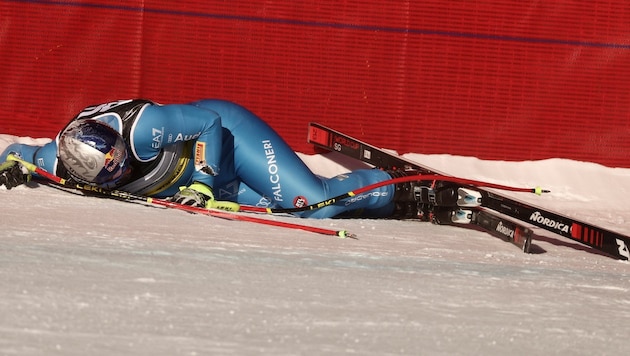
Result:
12,174
200,195
197,194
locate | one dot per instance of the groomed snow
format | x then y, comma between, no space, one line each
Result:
88,276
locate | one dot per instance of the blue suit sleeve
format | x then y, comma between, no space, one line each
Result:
42,156
160,126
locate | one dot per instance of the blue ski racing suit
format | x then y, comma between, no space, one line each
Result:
245,160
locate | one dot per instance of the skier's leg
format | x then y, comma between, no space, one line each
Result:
264,162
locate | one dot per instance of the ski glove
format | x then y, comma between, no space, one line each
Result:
197,194
12,174
200,195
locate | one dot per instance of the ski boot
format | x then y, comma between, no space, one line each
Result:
406,205
432,200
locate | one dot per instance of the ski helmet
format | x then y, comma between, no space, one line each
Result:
93,153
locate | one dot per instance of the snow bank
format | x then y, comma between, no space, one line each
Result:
82,275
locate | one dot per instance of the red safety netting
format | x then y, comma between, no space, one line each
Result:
493,79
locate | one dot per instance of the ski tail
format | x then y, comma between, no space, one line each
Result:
511,231
495,224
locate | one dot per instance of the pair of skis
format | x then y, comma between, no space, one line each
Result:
494,211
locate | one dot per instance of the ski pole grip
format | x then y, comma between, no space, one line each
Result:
34,169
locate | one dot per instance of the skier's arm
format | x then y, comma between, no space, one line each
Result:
43,156
160,126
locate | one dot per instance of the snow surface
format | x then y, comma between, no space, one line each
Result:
88,276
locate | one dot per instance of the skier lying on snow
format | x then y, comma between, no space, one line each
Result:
196,153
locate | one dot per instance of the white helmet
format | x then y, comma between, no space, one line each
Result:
94,153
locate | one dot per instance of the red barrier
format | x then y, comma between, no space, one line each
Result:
511,80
